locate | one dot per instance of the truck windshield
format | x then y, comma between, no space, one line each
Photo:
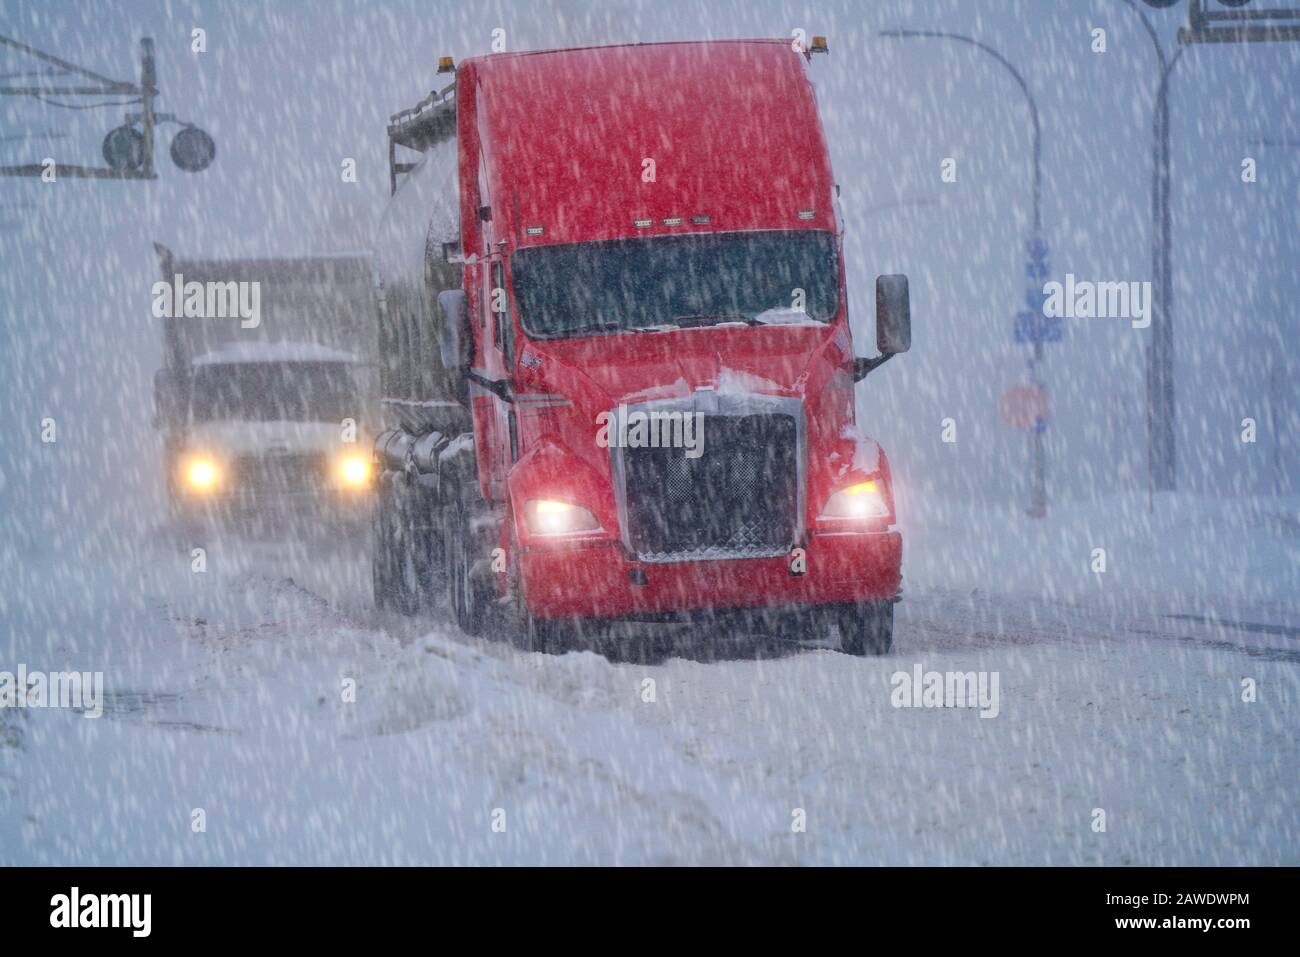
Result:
657,282
273,392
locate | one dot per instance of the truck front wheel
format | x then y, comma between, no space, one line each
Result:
866,628
544,635
547,636
465,596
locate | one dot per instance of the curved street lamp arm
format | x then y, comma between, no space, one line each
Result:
1020,81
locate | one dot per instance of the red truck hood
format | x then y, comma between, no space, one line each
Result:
635,367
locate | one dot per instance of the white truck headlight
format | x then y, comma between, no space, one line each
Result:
201,473
546,517
864,500
354,470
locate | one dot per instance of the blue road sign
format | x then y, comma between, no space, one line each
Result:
1030,324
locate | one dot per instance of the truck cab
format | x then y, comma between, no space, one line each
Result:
267,424
272,411
646,307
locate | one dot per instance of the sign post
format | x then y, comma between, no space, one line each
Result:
1025,406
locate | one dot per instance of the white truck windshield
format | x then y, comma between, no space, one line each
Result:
273,392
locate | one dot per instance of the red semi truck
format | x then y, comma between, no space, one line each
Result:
616,355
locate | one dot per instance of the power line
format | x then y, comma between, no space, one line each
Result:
83,106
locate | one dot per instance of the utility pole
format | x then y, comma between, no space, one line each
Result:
148,91
128,151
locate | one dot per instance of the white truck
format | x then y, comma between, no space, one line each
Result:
274,411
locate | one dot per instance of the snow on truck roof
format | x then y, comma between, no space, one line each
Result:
240,352
731,128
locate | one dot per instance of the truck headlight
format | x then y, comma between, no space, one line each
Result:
545,517
202,473
354,470
864,500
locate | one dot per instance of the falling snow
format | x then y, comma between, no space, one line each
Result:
1145,639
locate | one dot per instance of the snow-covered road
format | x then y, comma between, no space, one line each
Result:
228,704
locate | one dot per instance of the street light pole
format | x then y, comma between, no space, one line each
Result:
1160,360
1162,449
1159,372
1038,468
1227,26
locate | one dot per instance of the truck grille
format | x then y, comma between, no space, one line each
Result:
285,474
739,499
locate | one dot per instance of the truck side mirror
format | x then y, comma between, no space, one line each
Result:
454,335
893,315
893,324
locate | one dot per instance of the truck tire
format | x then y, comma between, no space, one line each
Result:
380,555
465,598
392,566
546,636
406,572
867,628
428,552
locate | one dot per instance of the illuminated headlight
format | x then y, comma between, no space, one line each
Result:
864,500
354,471
201,473
545,517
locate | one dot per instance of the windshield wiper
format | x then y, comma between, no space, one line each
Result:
707,320
615,326
610,325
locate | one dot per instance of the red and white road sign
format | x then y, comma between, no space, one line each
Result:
1024,406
